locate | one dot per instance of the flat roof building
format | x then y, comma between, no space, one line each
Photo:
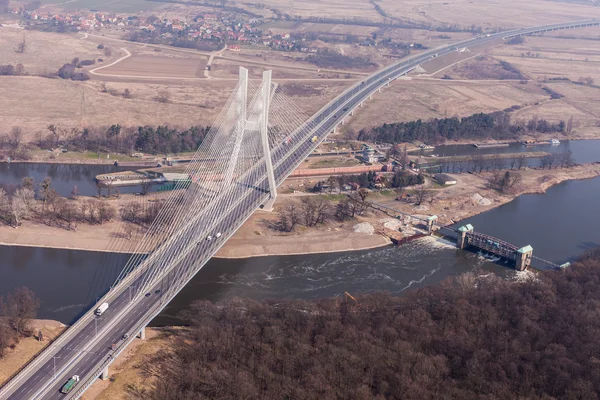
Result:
445,179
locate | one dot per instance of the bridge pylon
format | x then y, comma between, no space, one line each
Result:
264,134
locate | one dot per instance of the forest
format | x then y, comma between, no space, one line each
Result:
472,337
497,125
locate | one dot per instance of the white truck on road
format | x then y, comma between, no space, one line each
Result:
100,310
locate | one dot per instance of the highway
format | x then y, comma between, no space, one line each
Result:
87,347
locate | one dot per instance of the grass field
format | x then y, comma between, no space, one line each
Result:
45,51
153,66
489,13
424,99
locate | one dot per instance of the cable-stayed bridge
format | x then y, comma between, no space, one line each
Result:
259,138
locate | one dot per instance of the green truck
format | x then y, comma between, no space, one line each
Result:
70,384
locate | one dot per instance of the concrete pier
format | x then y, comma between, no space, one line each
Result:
142,334
105,376
431,223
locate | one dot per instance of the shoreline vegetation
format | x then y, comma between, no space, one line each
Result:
79,158
255,239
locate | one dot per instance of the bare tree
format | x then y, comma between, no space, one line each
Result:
521,163
16,136
21,47
420,194
349,135
309,211
163,96
69,212
322,211
27,183
25,195
289,217
363,194
332,182
4,206
105,212
74,192
146,185
99,189
18,211
128,230
45,188
20,308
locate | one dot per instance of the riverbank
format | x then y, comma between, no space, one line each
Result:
469,197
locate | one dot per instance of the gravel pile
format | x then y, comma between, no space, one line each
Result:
364,227
480,200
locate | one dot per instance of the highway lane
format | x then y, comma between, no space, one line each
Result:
84,351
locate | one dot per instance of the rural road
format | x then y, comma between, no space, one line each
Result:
127,55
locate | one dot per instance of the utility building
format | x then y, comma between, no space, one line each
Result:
444,179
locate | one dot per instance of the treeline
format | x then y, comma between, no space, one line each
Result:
497,125
161,139
9,69
479,163
332,59
17,309
400,178
472,337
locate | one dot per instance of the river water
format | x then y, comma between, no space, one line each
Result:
68,281
559,225
63,176
583,151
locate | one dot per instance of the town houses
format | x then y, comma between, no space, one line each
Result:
235,29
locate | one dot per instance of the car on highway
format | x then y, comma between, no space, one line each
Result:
126,336
148,294
209,238
157,291
218,234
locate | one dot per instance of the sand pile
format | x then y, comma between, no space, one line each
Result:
364,227
477,199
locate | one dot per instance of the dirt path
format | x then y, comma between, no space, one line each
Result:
127,55
210,60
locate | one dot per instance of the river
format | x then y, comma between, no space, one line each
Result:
559,225
63,176
582,152
68,281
